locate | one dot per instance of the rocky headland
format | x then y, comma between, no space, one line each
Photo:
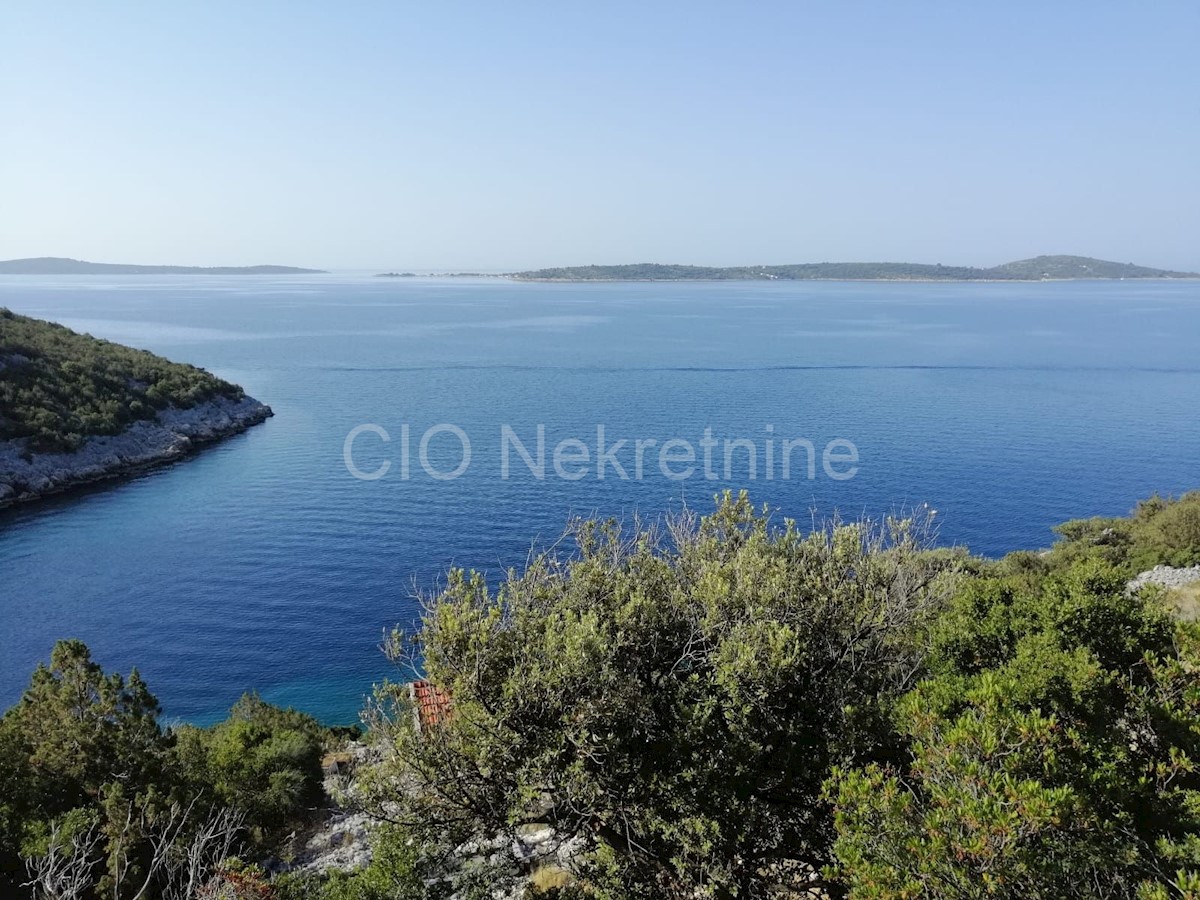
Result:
27,475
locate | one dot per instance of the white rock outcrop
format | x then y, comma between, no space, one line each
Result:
1166,576
342,843
172,434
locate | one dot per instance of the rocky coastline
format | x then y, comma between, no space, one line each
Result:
173,434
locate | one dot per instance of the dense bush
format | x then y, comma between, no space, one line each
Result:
394,873
1158,532
77,739
718,708
57,387
83,753
744,711
263,760
674,703
1052,754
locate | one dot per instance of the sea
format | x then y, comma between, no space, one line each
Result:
423,424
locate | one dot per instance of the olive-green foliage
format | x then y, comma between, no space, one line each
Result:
1051,755
721,709
264,760
57,387
674,704
994,620
1158,532
83,747
78,739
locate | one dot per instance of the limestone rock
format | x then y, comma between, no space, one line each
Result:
1166,576
173,433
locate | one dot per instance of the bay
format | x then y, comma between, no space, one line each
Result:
262,564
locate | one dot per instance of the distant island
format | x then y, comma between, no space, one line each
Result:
75,409
58,265
1039,268
447,275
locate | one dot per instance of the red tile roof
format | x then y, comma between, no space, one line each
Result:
431,702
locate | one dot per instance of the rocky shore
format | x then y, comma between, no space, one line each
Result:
174,433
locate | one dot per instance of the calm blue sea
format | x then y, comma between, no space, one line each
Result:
262,564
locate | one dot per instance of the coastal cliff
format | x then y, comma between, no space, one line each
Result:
174,433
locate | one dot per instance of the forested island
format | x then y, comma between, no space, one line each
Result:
712,707
1039,268
75,409
57,265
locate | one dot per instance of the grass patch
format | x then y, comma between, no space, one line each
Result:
549,877
1184,602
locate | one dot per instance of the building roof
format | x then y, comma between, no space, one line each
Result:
431,704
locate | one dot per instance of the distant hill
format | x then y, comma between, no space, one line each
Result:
57,265
1081,267
1037,269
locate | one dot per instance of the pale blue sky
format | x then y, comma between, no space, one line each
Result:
505,135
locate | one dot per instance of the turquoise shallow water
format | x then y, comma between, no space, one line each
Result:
263,564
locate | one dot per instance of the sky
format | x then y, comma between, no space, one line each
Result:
502,136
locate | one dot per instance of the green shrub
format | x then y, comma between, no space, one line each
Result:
680,704
263,760
724,708
58,387
85,747
1160,531
78,741
1052,755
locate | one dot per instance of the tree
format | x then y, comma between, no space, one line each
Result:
1054,753
84,729
76,737
95,798
263,760
670,702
